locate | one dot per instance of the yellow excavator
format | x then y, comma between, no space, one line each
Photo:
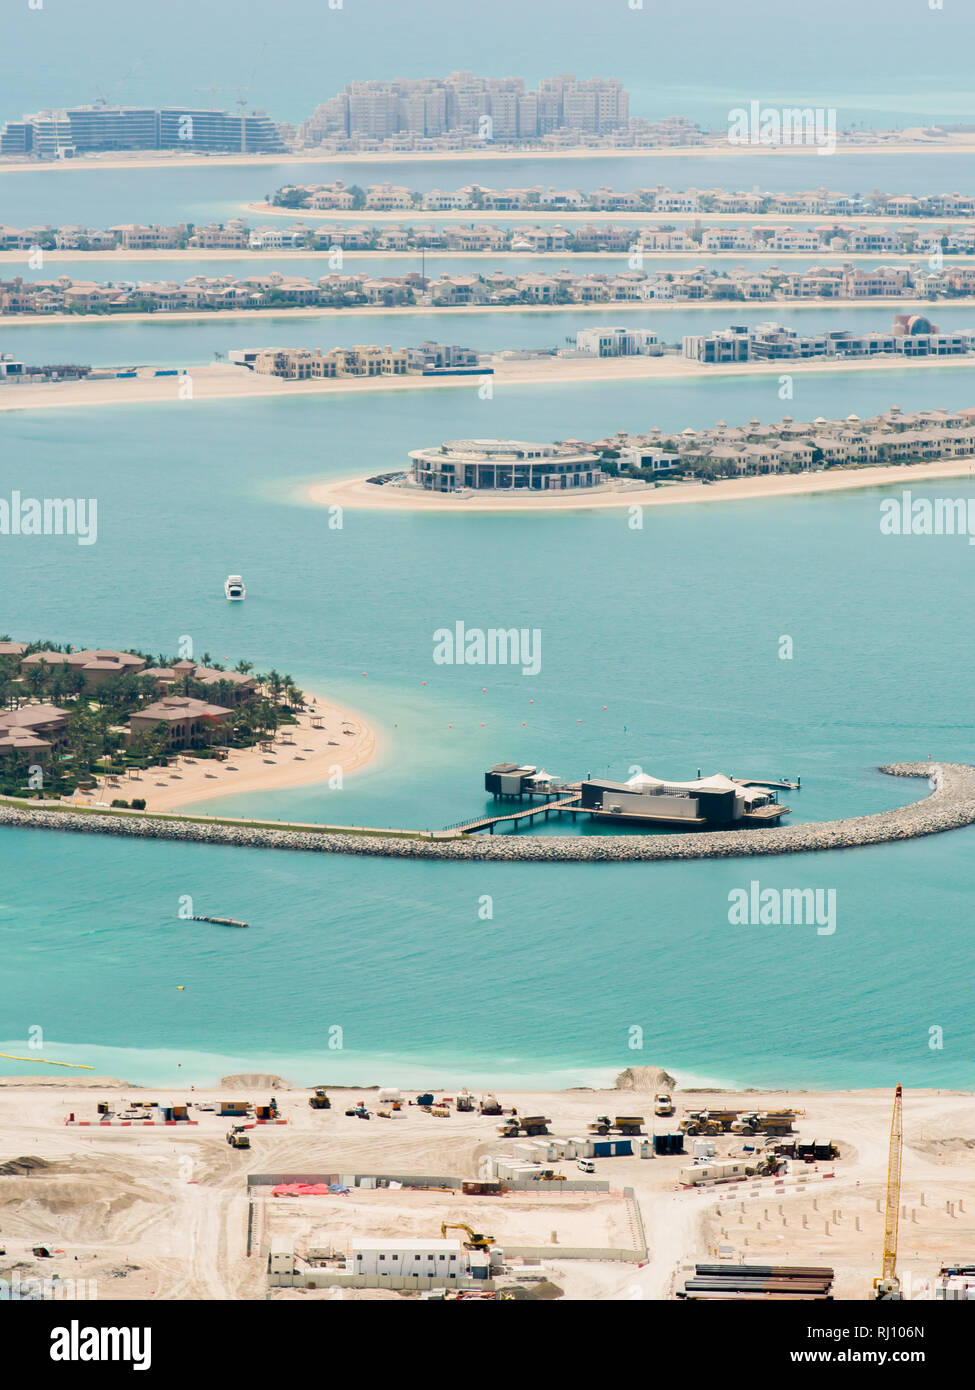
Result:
888,1286
474,1241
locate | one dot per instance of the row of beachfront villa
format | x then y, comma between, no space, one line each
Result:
526,238
911,336
276,291
789,445
892,437
389,197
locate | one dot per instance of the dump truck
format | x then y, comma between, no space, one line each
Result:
490,1105
623,1124
237,1139
320,1100
662,1104
708,1121
778,1122
524,1124
474,1240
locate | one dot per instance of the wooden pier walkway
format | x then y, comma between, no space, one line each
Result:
489,822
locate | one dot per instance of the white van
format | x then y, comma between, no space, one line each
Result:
585,1165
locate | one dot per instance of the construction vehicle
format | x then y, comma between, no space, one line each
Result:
474,1241
623,1124
662,1104
708,1121
764,1122
236,1137
320,1100
549,1175
490,1105
888,1286
767,1166
465,1101
524,1124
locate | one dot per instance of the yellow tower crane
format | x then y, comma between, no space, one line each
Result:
888,1286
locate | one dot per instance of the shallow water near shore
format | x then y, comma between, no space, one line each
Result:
673,628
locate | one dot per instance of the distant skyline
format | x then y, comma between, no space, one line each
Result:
699,58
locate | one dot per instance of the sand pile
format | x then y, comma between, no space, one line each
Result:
255,1080
645,1079
20,1167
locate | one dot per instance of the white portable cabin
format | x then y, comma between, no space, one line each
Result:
581,1146
720,1171
282,1257
404,1259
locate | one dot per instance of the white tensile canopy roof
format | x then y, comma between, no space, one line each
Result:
717,783
542,776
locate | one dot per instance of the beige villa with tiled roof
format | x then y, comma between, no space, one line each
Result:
32,729
245,687
189,722
96,666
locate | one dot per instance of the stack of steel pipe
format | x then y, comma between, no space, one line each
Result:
746,1282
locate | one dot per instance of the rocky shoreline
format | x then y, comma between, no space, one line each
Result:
950,804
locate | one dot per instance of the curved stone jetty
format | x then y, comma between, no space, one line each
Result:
949,805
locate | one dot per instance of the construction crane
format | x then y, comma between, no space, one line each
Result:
888,1286
213,89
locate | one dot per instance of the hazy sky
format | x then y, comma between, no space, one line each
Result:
693,56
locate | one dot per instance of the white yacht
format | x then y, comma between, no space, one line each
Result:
233,587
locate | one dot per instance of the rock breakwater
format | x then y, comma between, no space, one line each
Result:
949,804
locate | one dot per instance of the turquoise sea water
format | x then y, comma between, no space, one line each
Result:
900,61
189,342
675,628
102,197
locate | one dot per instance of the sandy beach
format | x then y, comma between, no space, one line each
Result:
163,1214
899,144
327,739
606,308
221,381
562,215
357,492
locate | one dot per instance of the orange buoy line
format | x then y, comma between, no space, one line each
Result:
80,1066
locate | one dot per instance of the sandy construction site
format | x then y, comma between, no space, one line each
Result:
162,1212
